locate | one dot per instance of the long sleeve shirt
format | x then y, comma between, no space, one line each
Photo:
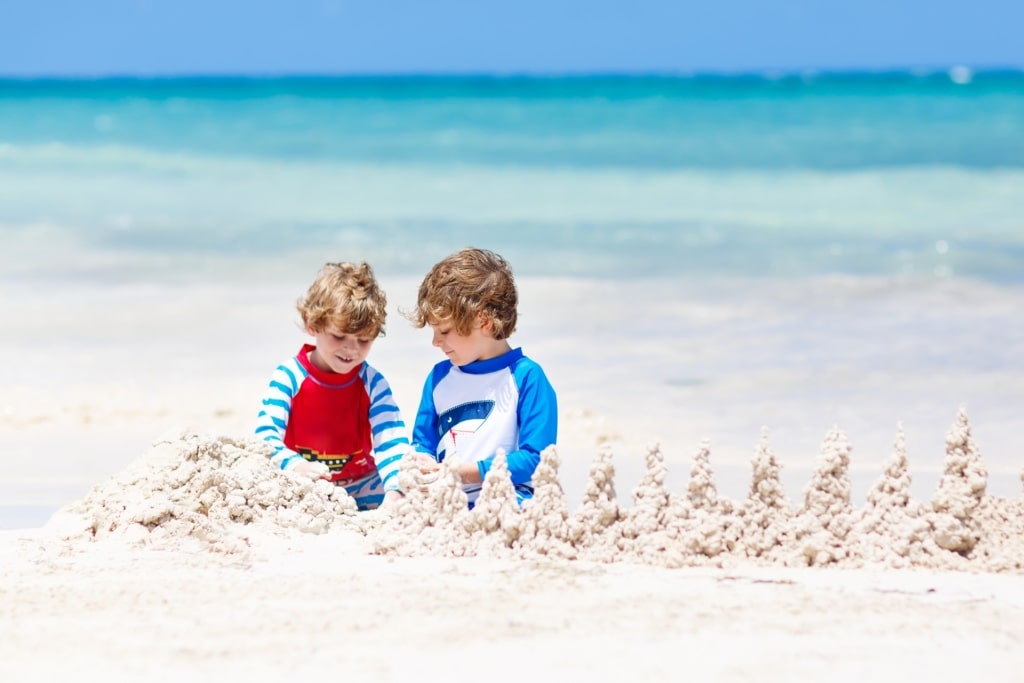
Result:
467,413
350,422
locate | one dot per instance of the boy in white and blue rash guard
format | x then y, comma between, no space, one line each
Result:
486,396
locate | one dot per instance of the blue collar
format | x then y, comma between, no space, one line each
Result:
482,367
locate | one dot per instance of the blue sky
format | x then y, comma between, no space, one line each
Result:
166,37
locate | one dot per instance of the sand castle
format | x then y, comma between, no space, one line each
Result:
219,494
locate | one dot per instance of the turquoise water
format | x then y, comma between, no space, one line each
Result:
888,174
825,123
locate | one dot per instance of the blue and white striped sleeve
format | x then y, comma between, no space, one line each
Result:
272,420
387,429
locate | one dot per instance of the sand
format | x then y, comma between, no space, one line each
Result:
199,561
308,608
176,553
218,494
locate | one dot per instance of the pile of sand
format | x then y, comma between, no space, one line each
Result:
221,494
209,493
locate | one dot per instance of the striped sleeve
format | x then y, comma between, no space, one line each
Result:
387,429
272,420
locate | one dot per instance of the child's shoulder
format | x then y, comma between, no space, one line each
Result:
297,360
371,372
291,365
517,358
440,370
524,366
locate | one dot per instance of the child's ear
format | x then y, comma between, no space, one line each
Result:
486,323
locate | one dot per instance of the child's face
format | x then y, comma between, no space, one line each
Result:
338,351
463,349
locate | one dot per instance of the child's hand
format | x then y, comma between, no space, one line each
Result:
391,498
313,470
425,463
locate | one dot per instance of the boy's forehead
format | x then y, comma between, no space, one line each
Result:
439,320
340,327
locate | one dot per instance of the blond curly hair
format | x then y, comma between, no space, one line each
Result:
467,284
346,297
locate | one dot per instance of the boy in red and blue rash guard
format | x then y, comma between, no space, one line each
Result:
326,412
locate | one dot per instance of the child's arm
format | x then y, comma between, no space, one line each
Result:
537,414
425,437
272,420
387,429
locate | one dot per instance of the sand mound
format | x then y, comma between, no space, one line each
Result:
220,494
215,493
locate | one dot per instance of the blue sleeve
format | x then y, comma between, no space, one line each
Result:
537,415
425,436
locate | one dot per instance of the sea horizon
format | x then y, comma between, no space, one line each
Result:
915,70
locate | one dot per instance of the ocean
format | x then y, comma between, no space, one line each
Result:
785,251
890,174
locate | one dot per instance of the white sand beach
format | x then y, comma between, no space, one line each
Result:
317,606
703,548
